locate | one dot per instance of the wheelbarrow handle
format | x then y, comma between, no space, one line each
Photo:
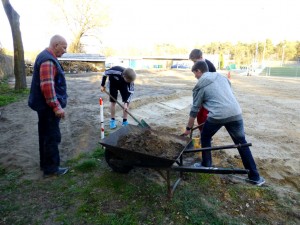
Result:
217,148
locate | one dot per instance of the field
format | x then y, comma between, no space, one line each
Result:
291,71
92,194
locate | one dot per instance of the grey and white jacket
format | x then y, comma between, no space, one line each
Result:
213,92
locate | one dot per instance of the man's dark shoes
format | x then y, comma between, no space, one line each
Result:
60,171
197,165
200,164
258,182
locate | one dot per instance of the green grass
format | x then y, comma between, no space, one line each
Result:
284,71
92,194
9,95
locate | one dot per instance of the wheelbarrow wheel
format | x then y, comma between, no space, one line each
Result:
115,162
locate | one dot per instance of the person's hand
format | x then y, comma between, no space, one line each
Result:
60,113
102,88
186,133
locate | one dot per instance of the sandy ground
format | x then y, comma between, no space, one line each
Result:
271,110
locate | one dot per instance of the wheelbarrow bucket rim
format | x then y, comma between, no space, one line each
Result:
110,142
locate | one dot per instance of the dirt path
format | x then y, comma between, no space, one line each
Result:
271,110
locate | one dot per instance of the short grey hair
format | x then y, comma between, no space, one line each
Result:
57,39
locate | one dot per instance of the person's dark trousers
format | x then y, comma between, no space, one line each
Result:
49,139
237,134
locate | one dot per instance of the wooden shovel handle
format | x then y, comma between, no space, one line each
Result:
136,120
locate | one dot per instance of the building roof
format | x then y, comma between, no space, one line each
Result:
177,57
82,57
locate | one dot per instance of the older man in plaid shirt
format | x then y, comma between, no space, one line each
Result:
48,96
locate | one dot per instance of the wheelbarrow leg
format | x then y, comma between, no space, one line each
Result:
171,188
167,177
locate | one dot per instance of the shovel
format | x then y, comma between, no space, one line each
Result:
141,123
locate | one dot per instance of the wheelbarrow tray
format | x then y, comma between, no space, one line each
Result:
131,157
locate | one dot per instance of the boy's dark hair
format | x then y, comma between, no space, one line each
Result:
200,65
129,74
195,54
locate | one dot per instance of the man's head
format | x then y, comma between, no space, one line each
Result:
195,55
129,75
58,45
199,68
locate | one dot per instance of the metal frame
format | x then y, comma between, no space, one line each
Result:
130,159
184,169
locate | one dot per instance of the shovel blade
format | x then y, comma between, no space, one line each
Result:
144,124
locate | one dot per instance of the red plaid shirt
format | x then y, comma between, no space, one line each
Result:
48,72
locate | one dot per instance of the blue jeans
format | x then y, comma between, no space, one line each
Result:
49,138
237,134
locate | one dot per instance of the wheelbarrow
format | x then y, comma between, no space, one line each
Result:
121,159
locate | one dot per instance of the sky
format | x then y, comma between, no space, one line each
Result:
187,23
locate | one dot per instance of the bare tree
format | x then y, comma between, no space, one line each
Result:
84,18
19,63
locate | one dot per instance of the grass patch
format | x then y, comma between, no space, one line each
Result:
9,95
2,171
86,166
98,153
92,194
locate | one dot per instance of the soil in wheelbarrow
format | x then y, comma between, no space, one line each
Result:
151,143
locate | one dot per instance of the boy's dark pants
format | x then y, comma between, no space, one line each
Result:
237,134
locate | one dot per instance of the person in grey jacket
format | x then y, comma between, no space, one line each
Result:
213,92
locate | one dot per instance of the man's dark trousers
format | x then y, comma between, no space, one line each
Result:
49,139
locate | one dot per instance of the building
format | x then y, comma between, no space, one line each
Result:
75,62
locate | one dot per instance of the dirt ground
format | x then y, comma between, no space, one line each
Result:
271,110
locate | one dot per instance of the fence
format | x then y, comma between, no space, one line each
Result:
6,66
285,70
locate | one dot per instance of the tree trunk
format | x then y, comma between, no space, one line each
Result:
19,62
